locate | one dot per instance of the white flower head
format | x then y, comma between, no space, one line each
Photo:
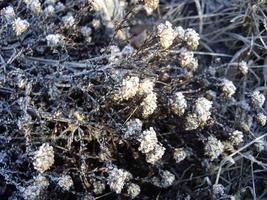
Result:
133,128
49,10
128,89
9,14
149,104
213,148
20,26
178,103
117,179
192,38
202,109
236,137
243,67
165,180
68,21
148,140
261,119
179,154
166,34
228,88
187,60
35,6
133,190
43,158
257,99
54,40
180,34
65,182
146,86
156,154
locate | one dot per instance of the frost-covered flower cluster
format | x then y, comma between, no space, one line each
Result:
118,178
201,114
191,38
187,60
99,187
149,104
34,5
166,34
68,21
243,67
54,40
218,189
179,154
133,190
165,179
133,128
20,26
43,158
213,147
65,182
178,103
132,86
49,10
150,146
9,14
128,89
261,119
86,32
228,88
151,5
236,138
257,99
35,191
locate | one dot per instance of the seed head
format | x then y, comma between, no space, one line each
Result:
20,26
191,38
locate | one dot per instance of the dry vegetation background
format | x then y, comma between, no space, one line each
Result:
94,107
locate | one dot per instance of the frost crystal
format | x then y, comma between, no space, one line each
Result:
20,26
9,13
228,88
192,38
243,67
178,103
213,147
166,34
54,40
165,180
148,140
43,158
257,99
187,60
129,88
133,190
117,179
261,119
179,154
65,182
149,104
156,154
134,128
